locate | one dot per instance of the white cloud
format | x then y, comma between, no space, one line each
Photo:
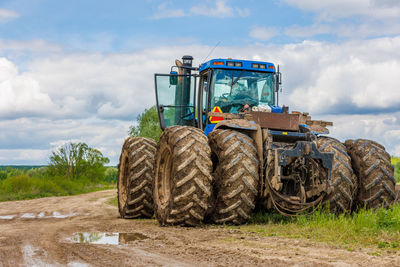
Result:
348,18
6,15
218,8
164,12
37,46
263,33
242,12
345,30
20,94
383,128
31,141
24,156
331,9
358,76
308,31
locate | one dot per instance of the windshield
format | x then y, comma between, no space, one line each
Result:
232,89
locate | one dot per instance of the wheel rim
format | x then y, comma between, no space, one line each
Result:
163,185
123,181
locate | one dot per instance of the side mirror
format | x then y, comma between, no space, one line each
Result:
173,79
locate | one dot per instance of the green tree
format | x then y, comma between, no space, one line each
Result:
76,161
147,125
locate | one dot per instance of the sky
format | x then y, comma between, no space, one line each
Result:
81,71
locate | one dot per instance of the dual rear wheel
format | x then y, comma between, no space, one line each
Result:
375,172
186,184
197,176
362,175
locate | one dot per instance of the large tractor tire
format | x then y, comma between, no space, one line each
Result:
343,185
135,178
375,173
236,176
182,185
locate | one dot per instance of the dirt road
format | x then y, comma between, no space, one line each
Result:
41,232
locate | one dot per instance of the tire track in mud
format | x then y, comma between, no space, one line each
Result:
44,241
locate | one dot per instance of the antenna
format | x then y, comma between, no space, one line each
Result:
211,52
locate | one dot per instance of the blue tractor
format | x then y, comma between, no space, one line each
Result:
228,148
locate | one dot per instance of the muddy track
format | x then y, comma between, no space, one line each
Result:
37,232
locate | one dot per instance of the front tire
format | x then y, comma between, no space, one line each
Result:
182,185
135,178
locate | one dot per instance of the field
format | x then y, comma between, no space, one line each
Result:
28,182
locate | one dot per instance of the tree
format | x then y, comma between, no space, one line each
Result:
148,125
78,160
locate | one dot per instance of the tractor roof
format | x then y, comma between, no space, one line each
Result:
238,64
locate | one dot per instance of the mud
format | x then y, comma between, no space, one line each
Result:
47,240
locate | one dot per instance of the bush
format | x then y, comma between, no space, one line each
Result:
17,184
74,168
78,161
111,175
3,175
148,125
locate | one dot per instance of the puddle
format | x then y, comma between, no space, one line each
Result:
106,238
41,215
28,216
58,215
7,217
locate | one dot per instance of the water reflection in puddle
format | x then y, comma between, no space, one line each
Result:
7,217
107,238
41,215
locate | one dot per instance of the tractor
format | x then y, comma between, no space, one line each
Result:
228,148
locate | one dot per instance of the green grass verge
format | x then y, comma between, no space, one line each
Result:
25,187
395,160
113,201
367,228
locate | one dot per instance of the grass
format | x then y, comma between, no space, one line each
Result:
395,160
23,186
396,164
368,228
113,201
378,229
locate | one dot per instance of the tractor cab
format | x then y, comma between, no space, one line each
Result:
188,94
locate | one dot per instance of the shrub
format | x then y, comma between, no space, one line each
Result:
77,161
148,125
111,175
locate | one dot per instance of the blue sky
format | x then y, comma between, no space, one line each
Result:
82,24
83,70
